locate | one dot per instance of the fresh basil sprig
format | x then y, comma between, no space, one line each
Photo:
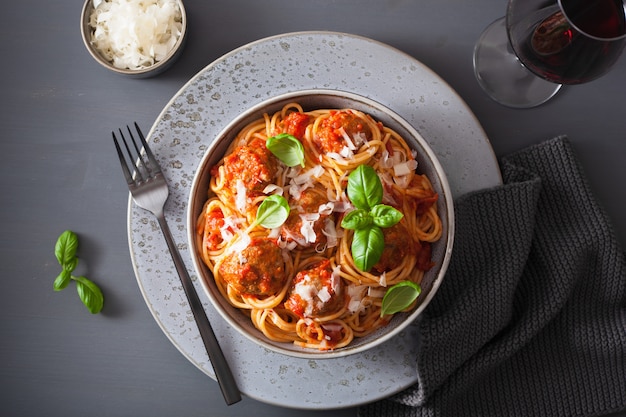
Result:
366,193
287,148
399,296
272,212
65,252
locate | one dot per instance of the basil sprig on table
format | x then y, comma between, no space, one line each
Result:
65,252
287,148
272,212
369,217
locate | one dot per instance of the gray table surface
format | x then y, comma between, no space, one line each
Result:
59,172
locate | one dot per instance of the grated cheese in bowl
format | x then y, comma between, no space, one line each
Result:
135,34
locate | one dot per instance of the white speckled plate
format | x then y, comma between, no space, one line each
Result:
214,97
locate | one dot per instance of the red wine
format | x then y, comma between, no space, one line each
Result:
575,43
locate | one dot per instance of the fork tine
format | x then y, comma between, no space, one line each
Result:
140,155
120,154
154,164
134,162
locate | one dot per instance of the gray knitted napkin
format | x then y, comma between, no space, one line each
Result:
531,317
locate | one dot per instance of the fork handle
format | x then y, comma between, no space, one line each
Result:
223,373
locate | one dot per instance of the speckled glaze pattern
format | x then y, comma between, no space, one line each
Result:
203,107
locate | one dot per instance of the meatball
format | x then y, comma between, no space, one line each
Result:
259,269
315,292
329,136
306,206
295,124
253,164
398,244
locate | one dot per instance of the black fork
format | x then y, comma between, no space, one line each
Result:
149,190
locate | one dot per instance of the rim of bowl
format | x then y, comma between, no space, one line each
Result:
443,247
154,69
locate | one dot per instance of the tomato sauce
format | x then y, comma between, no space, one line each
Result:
214,221
424,257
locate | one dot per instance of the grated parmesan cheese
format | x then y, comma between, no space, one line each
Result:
356,294
241,198
326,208
238,247
382,280
330,231
324,295
307,228
301,182
336,279
346,153
376,292
135,34
346,137
273,189
308,175
230,227
405,168
337,157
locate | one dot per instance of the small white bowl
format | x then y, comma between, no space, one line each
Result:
155,69
428,164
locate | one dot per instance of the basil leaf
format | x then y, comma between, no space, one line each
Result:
62,280
71,265
65,251
90,294
398,297
364,187
65,248
357,219
385,216
367,247
287,148
272,212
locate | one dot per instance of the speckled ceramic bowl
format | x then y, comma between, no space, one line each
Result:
428,163
155,69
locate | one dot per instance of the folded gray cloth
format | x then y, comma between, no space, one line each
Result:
531,317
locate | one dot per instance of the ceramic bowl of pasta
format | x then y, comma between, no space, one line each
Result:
321,223
134,38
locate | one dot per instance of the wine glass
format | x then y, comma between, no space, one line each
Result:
522,59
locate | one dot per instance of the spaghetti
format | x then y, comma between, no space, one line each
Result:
298,282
